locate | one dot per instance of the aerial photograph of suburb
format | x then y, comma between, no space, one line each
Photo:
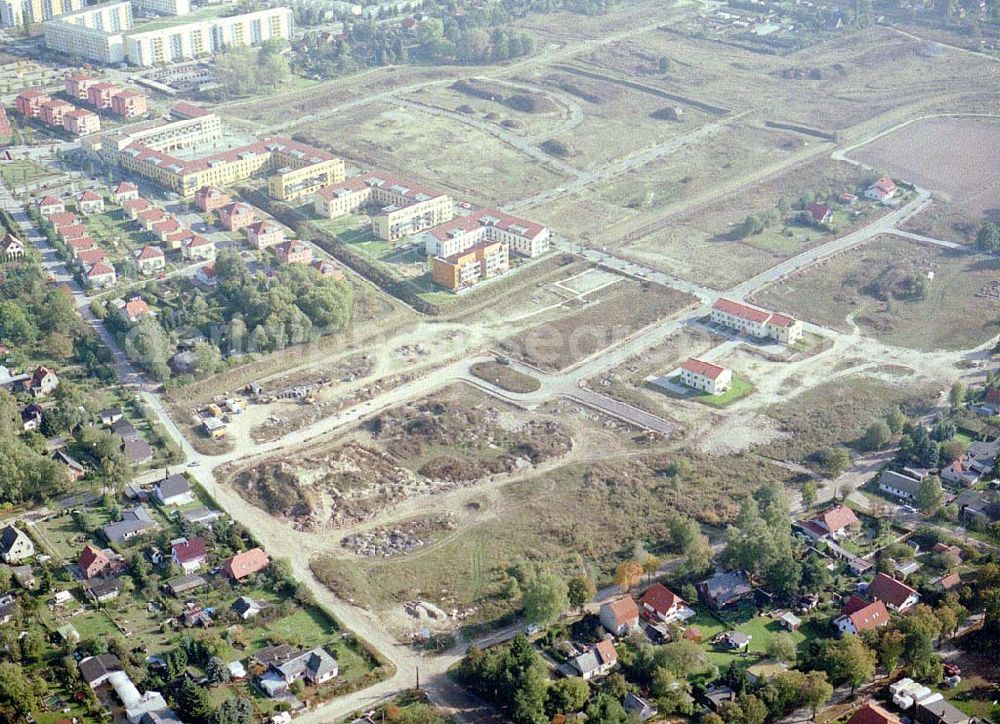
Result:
499,361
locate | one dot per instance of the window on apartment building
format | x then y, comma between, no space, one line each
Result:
176,46
255,31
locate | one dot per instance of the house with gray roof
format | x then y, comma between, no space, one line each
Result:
15,545
898,485
315,666
175,490
95,670
133,522
724,589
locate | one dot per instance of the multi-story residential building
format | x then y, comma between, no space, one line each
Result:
705,376
163,7
197,248
77,85
130,103
523,237
89,203
96,32
124,191
265,233
106,32
101,275
100,94
15,13
293,251
459,271
52,112
50,205
29,103
756,322
398,207
150,259
81,122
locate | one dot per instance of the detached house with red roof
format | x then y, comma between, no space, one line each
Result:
661,604
596,661
189,554
882,190
705,376
896,595
150,259
818,214
101,275
872,713
264,234
67,218
51,205
210,198
858,616
197,248
621,616
293,251
237,215
44,382
135,310
90,203
124,191
756,322
245,564
835,523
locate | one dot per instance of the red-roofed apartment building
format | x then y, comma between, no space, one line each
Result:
81,122
523,237
51,205
705,376
264,234
125,191
293,251
29,103
245,564
859,616
896,595
53,111
872,713
757,322
661,604
77,85
90,203
99,95
197,248
621,616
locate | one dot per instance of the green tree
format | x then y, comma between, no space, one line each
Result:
956,396
16,690
607,710
194,702
235,710
930,496
567,696
847,660
817,691
832,460
810,492
877,436
545,598
896,420
683,530
580,591
208,359
147,345
988,237
781,647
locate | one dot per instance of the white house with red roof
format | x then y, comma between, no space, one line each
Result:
659,603
882,190
51,205
706,376
293,251
64,218
245,564
90,203
621,616
73,231
124,191
197,248
81,244
91,256
101,275
150,259
189,554
896,595
136,309
755,321
818,213
206,275
836,523
133,207
165,227
858,615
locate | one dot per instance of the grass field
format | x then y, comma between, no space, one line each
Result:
18,173
606,317
838,413
739,389
864,282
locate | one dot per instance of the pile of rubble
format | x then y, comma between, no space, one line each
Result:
990,291
381,543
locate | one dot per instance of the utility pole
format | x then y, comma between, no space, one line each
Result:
418,678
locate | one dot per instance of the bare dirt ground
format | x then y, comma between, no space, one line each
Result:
953,157
959,311
605,317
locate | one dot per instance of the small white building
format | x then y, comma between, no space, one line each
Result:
706,376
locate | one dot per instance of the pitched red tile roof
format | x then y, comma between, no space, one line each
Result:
741,310
190,550
49,201
265,226
852,604
949,581
89,195
136,308
91,256
140,204
818,211
246,563
870,617
90,554
624,610
888,589
837,518
781,320
81,243
606,650
872,713
660,598
125,187
72,231
63,218
100,269
703,368
149,252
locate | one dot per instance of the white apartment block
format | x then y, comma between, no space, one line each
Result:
453,237
163,7
756,322
705,376
13,13
105,33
